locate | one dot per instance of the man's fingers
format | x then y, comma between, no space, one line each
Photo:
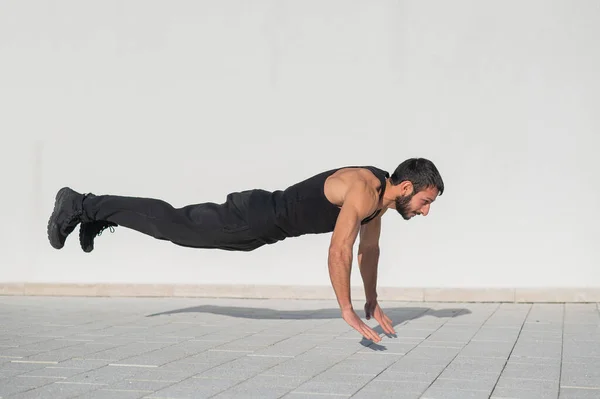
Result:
386,323
370,333
390,328
391,325
386,327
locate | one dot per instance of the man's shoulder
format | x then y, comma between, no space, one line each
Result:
379,173
372,168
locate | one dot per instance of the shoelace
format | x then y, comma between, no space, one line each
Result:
110,227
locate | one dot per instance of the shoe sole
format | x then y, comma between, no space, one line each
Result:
54,235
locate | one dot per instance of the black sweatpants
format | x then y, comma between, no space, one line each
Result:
206,225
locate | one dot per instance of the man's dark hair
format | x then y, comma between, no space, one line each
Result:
421,172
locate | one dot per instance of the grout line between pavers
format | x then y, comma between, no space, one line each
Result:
562,347
512,349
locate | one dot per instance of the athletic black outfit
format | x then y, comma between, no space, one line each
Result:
245,221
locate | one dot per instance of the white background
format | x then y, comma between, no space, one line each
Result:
187,101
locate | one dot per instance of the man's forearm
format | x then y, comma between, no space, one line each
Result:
340,265
368,260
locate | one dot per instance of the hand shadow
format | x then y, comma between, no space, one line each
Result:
403,319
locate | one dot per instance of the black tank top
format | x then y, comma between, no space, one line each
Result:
301,208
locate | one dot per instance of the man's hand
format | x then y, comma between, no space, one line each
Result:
372,309
355,322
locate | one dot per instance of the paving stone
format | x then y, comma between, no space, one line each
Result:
395,394
16,367
507,392
263,386
541,336
242,368
329,387
211,357
528,384
299,367
581,376
460,374
194,388
242,391
457,335
550,372
56,391
125,351
497,334
477,382
268,380
399,348
288,347
439,354
113,394
17,353
393,375
538,348
76,351
477,364
81,364
437,393
167,354
488,349
161,374
415,365
136,385
578,393
53,372
360,366
384,386
10,387
301,395
106,375
48,345
331,356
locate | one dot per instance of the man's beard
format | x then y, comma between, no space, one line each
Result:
402,206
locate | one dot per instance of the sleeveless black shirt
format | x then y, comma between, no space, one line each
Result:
301,208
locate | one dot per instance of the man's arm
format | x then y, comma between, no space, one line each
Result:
368,257
368,260
358,203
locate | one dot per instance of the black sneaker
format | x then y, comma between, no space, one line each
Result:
67,214
88,231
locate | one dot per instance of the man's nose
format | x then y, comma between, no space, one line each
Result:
425,210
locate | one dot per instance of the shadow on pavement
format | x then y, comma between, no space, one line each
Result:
398,315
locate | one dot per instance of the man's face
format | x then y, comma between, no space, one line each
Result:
416,204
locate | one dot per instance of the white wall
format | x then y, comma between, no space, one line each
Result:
189,100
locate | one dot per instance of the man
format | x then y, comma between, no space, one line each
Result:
346,201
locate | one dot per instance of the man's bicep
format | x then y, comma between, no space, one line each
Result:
357,205
346,228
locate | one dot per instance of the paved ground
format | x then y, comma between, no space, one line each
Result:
121,348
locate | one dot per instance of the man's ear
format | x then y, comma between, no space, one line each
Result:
406,188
